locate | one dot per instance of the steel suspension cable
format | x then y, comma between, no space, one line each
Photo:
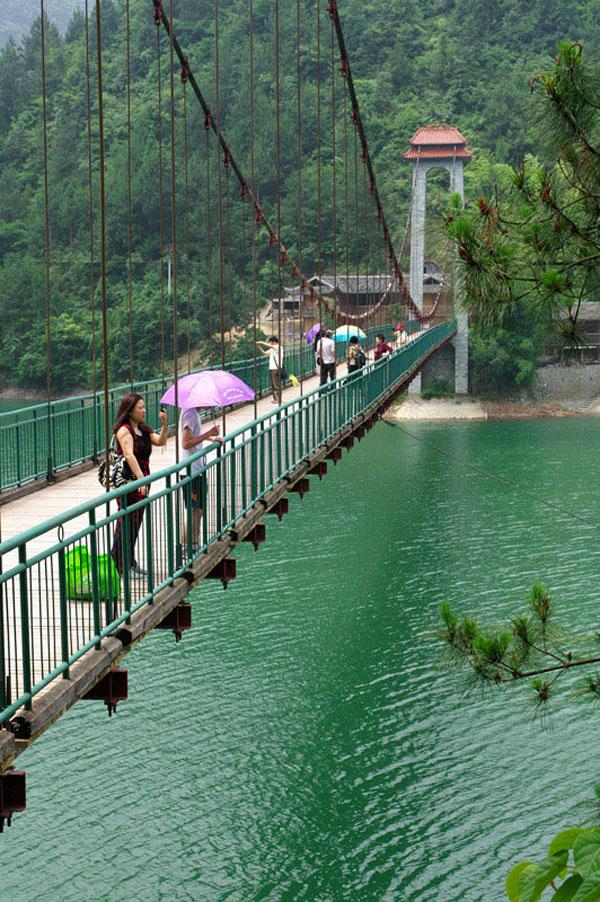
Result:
346,202
228,268
186,192
47,250
102,178
278,178
318,137
209,242
91,231
332,8
356,219
174,260
161,213
252,188
334,179
129,194
212,123
219,192
367,244
299,193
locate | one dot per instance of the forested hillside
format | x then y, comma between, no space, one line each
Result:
466,62
19,15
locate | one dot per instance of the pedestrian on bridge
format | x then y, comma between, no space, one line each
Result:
134,440
400,336
192,439
356,355
326,357
318,337
382,347
272,349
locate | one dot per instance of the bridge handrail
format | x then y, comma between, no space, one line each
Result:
41,597
48,438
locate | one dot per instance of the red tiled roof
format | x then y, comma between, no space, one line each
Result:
437,134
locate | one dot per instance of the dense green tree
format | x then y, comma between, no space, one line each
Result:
535,244
411,63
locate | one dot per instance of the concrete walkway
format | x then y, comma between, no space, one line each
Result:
28,511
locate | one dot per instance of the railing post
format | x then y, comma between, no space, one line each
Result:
149,553
95,577
126,550
68,420
18,451
64,613
51,446
278,444
94,428
35,443
253,462
189,512
25,639
244,476
2,655
232,482
219,499
170,530
82,454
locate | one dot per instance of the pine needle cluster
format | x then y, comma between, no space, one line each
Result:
530,647
537,243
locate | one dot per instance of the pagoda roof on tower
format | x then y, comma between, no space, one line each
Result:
435,142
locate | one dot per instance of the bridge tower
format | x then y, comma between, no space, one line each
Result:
436,147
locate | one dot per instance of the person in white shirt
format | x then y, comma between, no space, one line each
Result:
191,440
400,336
271,349
326,356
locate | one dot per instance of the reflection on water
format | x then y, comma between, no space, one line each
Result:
306,740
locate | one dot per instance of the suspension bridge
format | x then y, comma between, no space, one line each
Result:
67,617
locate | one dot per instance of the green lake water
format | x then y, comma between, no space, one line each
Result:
307,739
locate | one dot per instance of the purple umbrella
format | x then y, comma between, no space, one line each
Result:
312,333
208,388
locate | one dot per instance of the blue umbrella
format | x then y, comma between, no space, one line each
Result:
345,333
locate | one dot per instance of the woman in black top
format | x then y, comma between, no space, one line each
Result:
134,440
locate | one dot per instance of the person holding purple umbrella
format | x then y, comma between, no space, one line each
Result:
191,440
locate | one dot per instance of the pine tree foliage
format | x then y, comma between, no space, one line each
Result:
533,244
532,646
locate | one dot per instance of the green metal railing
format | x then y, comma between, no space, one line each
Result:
60,595
38,441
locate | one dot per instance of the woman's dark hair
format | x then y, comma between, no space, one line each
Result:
382,337
125,407
273,338
354,340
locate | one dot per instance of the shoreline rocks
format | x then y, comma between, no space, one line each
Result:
467,408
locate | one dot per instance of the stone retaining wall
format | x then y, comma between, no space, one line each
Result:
572,387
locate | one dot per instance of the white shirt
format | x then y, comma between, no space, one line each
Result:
326,350
274,357
192,419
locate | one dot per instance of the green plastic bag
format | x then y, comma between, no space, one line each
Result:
79,575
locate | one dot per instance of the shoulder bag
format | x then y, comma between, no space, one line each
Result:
119,471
